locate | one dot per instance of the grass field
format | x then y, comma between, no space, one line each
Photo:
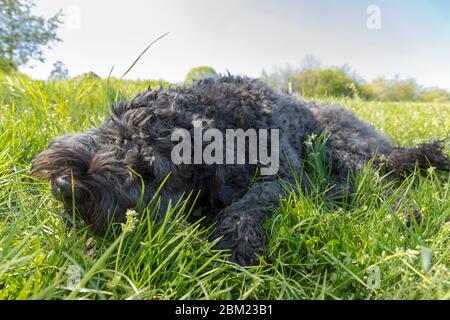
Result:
316,249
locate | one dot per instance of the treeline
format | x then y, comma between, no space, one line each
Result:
312,80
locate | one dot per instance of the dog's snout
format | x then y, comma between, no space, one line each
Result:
63,186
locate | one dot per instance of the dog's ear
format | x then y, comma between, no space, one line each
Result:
38,172
67,154
60,159
43,165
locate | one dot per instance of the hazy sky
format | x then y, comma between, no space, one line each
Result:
248,35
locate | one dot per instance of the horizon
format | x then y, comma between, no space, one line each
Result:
246,37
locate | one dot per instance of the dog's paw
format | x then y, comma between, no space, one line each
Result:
244,236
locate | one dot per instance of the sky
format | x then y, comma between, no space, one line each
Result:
246,36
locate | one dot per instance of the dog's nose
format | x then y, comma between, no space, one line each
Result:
63,186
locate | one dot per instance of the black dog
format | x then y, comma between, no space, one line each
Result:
102,171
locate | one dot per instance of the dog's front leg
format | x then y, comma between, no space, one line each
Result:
240,224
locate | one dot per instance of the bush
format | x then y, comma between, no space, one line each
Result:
325,82
198,73
88,76
312,80
434,95
391,90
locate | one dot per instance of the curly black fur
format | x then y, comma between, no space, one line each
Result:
405,160
96,170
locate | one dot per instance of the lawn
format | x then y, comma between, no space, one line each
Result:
317,250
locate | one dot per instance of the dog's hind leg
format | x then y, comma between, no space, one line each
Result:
424,156
240,224
352,143
403,161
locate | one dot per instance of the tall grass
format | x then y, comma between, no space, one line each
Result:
316,249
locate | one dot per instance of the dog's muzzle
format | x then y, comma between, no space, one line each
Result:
62,188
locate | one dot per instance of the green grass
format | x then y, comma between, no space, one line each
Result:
316,249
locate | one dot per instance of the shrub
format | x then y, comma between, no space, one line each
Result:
434,95
391,90
325,82
198,73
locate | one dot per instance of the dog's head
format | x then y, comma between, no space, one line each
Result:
91,182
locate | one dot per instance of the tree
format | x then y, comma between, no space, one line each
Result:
311,62
280,77
198,73
59,71
23,36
